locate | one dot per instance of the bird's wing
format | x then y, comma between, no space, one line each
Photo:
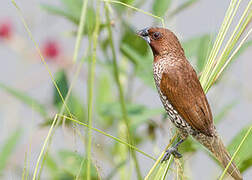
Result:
183,90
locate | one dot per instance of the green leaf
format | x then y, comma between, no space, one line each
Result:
62,83
8,147
244,156
140,114
127,1
73,6
23,97
143,64
66,165
131,39
72,10
160,7
205,45
188,146
72,162
104,96
57,11
197,47
77,108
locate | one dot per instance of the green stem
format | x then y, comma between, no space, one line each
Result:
136,9
90,91
217,44
108,135
229,46
147,177
80,29
237,150
44,147
120,89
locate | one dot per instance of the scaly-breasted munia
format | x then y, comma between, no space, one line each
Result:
183,97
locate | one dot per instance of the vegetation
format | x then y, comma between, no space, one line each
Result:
115,62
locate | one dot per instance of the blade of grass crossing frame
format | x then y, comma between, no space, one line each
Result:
233,54
80,30
108,135
147,177
120,90
44,146
90,90
217,44
237,150
137,9
40,54
219,67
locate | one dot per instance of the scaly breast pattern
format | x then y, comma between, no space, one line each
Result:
177,120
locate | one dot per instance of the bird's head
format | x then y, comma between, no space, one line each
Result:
162,41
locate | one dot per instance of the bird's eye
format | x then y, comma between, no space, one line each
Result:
156,35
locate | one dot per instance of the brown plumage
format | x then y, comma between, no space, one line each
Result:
182,95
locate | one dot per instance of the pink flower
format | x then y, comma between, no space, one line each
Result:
5,29
51,49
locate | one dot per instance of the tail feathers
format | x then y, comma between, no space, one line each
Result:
216,146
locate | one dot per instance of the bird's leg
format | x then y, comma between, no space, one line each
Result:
172,150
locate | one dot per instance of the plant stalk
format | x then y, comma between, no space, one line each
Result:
121,95
90,90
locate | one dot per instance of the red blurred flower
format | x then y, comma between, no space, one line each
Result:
51,49
5,29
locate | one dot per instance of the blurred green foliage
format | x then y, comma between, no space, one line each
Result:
68,165
134,54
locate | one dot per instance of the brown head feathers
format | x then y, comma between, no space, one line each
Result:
162,41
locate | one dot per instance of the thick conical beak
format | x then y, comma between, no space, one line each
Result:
144,34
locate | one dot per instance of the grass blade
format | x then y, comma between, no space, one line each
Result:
90,90
23,97
8,147
110,136
80,29
136,9
234,155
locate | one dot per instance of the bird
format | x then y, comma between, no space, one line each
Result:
183,97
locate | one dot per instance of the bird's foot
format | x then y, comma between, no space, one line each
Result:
173,151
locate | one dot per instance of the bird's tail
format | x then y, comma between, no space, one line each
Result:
216,146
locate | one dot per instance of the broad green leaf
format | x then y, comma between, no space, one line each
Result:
197,47
104,90
244,156
23,97
127,1
62,83
144,114
57,11
72,162
188,146
52,166
104,96
66,165
73,15
73,6
8,147
143,64
136,43
160,7
77,108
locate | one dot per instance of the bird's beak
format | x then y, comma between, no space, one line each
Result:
144,34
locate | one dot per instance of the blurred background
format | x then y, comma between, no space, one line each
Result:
29,99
